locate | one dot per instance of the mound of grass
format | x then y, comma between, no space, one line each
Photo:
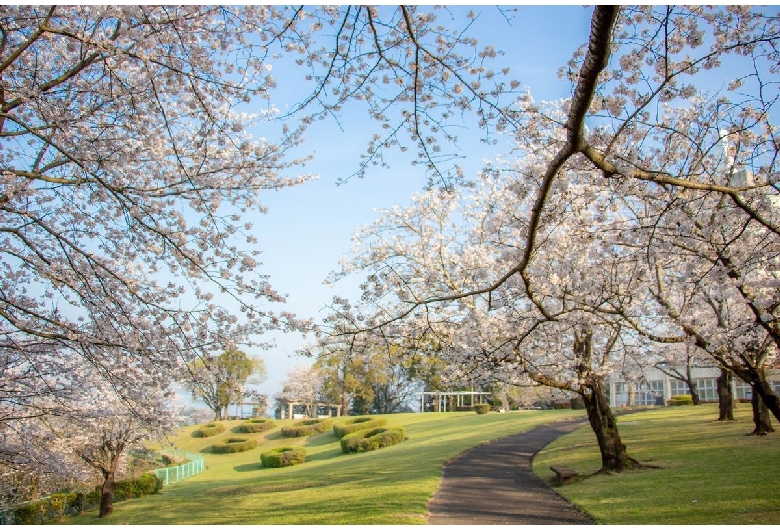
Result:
358,424
307,427
372,439
708,472
210,429
234,445
255,425
283,457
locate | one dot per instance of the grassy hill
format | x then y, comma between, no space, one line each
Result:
388,486
708,473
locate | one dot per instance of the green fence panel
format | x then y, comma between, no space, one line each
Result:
172,475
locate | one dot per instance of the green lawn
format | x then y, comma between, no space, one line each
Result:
710,472
388,486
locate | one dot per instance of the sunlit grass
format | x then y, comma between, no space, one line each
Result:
388,486
710,472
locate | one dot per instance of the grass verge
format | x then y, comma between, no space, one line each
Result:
710,472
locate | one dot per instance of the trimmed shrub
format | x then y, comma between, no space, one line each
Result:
481,408
677,401
369,440
210,429
255,425
283,457
32,512
577,403
76,502
234,445
558,405
58,503
358,424
307,427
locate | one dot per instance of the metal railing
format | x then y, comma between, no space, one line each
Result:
172,475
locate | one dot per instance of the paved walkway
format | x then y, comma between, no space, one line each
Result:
494,484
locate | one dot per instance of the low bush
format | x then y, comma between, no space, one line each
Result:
210,429
33,512
58,503
677,401
283,457
577,403
559,405
234,445
307,427
358,424
146,484
369,440
481,408
255,425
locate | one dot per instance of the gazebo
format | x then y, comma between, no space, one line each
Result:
286,408
440,399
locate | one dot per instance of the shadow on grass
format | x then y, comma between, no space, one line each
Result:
318,440
243,468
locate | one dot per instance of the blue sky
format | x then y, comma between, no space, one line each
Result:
308,228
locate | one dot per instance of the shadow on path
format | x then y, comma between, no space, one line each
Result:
494,484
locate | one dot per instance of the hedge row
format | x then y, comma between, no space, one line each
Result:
255,425
234,445
676,401
210,429
60,504
283,457
372,439
307,427
358,424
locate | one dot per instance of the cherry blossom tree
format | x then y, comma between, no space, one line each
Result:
304,384
128,159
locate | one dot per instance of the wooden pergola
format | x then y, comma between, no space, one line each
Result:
440,399
286,406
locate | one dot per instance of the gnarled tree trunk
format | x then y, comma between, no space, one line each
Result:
761,419
725,396
107,494
604,424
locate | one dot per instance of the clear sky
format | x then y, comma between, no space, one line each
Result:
308,228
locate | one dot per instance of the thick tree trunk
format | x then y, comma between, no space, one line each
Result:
692,386
107,495
770,400
613,452
725,396
760,416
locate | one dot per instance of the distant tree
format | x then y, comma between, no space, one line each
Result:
220,381
678,363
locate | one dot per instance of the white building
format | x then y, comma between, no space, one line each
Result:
655,387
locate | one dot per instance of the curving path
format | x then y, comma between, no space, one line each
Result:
494,484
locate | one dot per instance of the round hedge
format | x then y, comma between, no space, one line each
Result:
307,427
283,457
481,408
369,440
234,445
256,425
210,429
358,424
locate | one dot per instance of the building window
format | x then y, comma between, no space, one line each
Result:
742,390
621,394
708,389
648,393
679,388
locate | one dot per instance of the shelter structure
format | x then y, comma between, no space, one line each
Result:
449,401
320,409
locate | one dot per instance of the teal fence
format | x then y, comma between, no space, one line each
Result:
171,475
